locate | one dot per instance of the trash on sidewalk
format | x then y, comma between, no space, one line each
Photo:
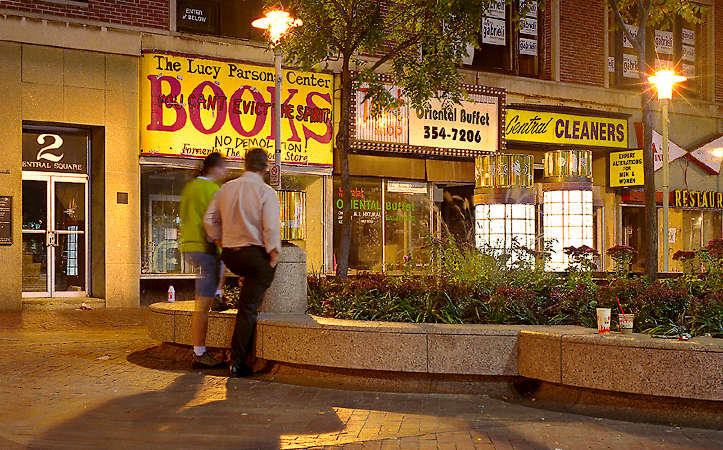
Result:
84,307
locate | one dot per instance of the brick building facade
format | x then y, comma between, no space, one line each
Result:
74,66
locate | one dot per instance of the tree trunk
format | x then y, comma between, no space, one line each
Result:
651,204
342,145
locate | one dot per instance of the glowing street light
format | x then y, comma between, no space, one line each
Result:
277,23
664,82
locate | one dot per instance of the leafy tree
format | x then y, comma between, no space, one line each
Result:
418,44
647,15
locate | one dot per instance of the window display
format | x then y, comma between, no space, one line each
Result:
388,228
301,202
406,222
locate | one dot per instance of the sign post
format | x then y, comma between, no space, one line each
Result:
275,176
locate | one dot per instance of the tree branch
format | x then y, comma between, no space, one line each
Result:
636,43
392,53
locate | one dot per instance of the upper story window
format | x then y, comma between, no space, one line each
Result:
504,48
226,18
674,43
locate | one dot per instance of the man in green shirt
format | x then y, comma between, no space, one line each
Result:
200,252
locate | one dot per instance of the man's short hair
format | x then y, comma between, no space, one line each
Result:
256,159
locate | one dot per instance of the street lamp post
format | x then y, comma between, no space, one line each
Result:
276,23
664,81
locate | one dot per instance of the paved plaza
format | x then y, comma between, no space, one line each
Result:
93,379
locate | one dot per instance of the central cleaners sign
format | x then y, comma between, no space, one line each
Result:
191,107
571,129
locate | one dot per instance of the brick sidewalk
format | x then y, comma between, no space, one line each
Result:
74,379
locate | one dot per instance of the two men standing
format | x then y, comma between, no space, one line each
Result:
243,219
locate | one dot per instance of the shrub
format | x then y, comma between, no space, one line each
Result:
461,284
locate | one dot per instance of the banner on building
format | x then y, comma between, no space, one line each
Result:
675,151
626,168
709,155
549,127
192,106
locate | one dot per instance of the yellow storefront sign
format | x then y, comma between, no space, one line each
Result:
559,128
626,168
192,106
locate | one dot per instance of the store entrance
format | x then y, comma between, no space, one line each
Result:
635,232
55,240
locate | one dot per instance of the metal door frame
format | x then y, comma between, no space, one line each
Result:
50,232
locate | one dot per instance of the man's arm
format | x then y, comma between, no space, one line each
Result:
212,221
271,217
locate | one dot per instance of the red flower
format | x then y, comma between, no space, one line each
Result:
620,250
682,255
715,248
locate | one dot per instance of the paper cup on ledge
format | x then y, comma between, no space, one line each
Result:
603,320
626,322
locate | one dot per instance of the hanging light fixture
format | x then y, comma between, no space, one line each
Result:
567,203
504,202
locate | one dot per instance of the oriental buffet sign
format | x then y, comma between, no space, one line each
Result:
192,106
461,129
697,199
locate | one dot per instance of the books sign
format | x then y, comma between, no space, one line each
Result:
192,106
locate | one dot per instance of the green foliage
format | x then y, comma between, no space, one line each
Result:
419,44
657,12
462,284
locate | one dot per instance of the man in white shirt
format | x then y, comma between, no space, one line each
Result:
244,219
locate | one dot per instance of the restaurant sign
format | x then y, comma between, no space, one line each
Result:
697,199
192,106
626,168
459,130
561,128
470,125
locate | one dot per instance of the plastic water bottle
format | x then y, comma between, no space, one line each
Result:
171,294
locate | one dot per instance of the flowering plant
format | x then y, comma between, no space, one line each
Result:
622,256
581,263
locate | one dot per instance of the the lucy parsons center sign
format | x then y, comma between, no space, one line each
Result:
193,106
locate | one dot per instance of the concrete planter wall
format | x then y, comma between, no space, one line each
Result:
566,355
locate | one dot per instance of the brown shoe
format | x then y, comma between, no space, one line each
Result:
205,361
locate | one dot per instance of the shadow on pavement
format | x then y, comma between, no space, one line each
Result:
194,411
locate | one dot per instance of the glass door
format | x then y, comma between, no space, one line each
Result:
55,218
36,239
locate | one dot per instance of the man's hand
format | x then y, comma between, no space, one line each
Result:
274,258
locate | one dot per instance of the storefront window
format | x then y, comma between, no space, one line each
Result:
365,250
302,201
224,18
387,228
504,48
161,189
674,43
568,221
406,222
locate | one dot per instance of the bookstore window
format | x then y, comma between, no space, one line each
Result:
673,43
224,18
503,47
